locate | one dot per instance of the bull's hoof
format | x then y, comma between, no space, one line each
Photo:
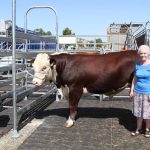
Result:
69,123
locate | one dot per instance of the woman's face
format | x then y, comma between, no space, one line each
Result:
143,55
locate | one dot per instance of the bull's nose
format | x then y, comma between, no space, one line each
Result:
35,83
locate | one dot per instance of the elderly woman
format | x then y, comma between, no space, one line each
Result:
140,90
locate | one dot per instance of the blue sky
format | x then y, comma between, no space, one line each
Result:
83,17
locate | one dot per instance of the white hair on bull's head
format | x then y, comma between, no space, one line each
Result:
42,69
41,60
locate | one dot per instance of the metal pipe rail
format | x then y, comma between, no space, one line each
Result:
9,39
17,94
5,82
20,55
142,32
9,67
5,52
50,8
9,81
34,102
9,94
147,37
139,29
21,93
30,55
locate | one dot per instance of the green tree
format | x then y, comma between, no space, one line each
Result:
48,33
8,22
42,32
99,41
67,31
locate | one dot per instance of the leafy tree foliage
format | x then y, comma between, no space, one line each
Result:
42,32
67,31
98,41
9,22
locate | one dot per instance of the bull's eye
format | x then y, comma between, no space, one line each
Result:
43,68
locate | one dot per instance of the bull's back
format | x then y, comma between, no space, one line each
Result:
99,73
99,64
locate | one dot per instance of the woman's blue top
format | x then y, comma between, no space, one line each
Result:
142,74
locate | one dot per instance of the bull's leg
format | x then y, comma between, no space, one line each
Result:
62,93
65,91
74,97
59,94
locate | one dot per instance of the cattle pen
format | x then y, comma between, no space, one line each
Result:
104,124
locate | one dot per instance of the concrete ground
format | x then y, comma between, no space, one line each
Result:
102,125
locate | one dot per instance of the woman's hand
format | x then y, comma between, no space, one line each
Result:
132,93
132,87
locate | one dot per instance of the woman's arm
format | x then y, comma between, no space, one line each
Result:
132,86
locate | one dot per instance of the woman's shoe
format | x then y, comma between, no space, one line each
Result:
135,133
147,133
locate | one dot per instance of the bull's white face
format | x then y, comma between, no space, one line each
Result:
42,69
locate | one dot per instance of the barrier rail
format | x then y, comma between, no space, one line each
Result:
16,89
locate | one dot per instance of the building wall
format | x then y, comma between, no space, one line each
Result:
67,40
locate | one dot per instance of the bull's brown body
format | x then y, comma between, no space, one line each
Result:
97,73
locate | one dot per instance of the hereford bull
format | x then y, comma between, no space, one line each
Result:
99,74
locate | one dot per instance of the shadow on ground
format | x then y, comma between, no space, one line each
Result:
4,119
125,116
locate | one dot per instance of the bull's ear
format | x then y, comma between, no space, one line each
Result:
52,61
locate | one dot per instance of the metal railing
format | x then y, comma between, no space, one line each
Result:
19,71
139,36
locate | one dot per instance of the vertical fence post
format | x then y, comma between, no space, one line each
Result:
15,134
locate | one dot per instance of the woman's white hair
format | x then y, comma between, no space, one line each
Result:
144,47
